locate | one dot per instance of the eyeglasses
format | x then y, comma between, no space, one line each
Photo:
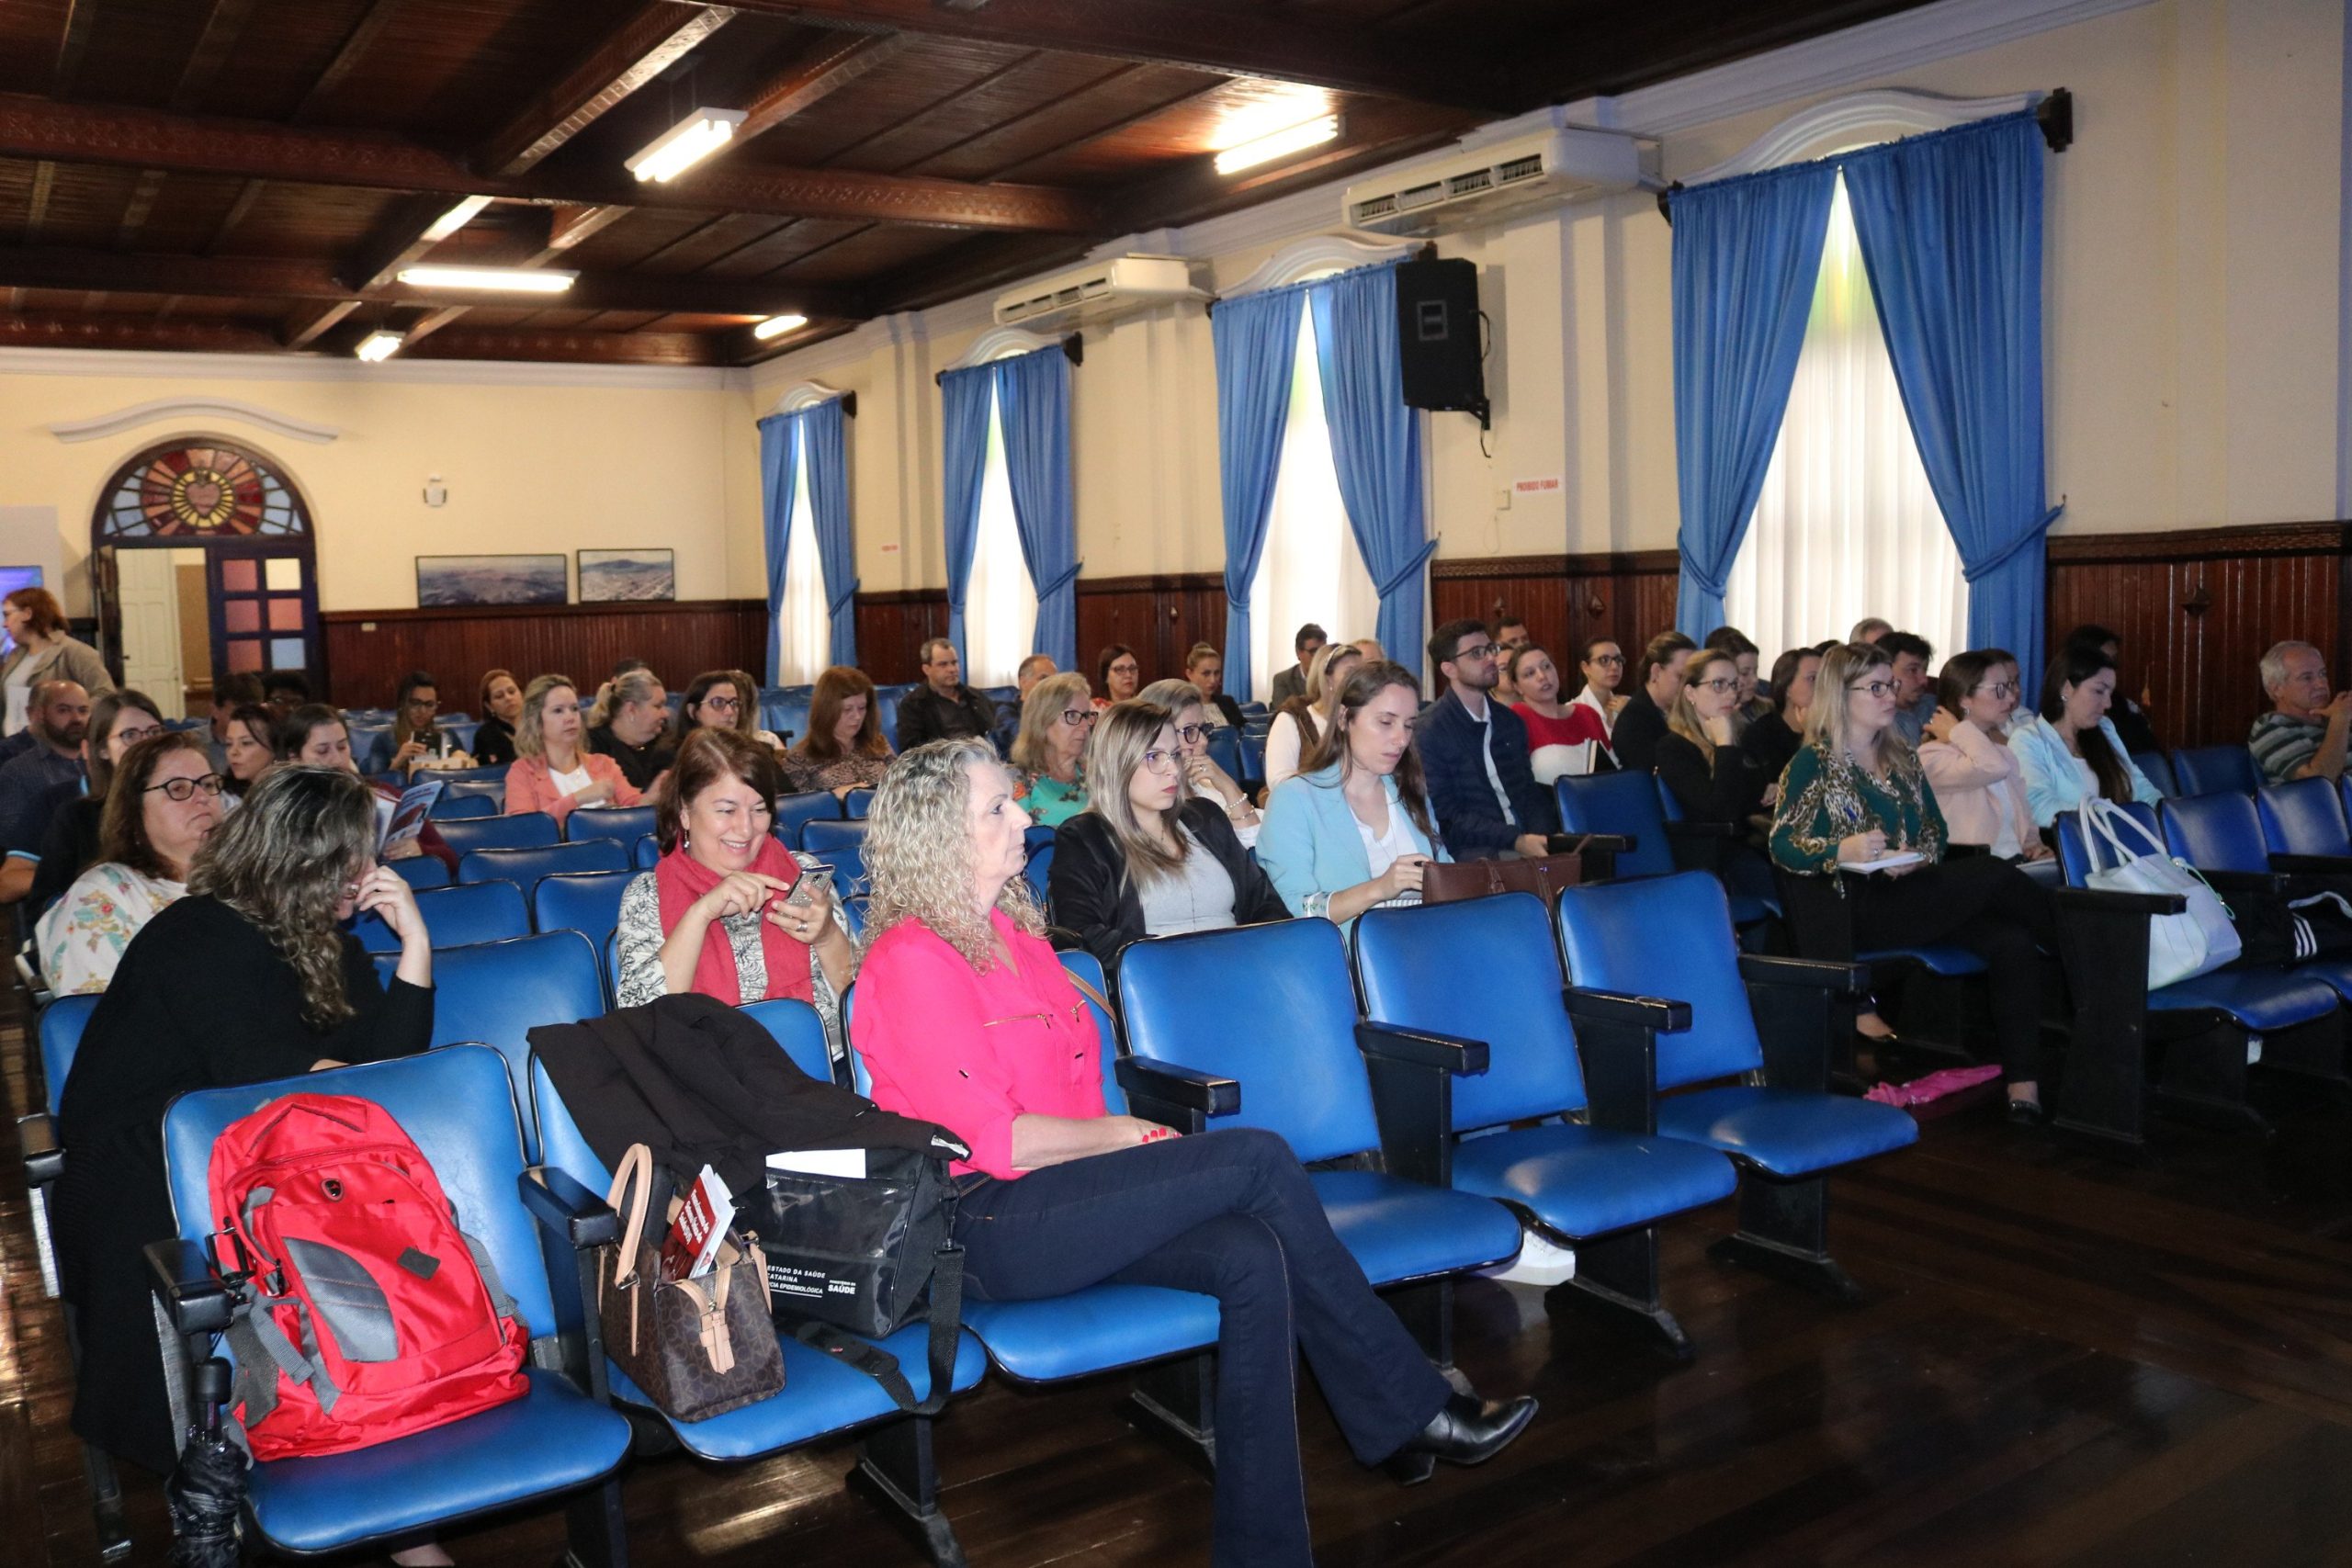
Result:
1612,660
1720,684
425,705
1999,688
1188,733
128,736
724,704
184,789
1484,650
1076,717
1160,761
1876,688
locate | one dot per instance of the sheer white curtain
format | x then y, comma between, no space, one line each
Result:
1000,602
1847,526
804,636
1310,569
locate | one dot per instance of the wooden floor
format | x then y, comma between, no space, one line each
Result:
2059,1362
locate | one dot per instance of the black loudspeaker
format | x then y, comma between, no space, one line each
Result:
1437,335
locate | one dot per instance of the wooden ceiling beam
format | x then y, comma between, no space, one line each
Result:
838,60
72,41
639,49
98,330
569,348
347,55
1171,32
308,322
39,128
222,25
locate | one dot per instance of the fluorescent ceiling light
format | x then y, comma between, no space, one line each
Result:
686,143
514,280
378,346
776,326
455,219
1282,143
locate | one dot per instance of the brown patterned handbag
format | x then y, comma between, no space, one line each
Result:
697,1348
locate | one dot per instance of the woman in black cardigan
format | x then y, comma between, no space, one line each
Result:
250,978
1714,778
1148,857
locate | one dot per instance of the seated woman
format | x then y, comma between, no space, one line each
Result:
1773,737
1602,664
1745,654
250,978
964,1017
250,749
1353,830
163,803
844,749
1979,787
717,913
1301,721
501,706
2072,751
1190,714
1855,793
722,699
416,739
1119,674
554,772
1049,753
318,736
69,845
1713,777
1148,857
1564,740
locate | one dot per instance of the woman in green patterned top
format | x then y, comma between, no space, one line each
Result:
1854,793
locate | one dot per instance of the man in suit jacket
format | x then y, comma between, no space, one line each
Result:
1474,754
1657,682
943,708
1292,682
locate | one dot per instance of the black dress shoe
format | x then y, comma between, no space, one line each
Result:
2027,1113
1468,1430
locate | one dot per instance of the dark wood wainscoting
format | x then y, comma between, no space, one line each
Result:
1564,600
892,628
1160,618
369,650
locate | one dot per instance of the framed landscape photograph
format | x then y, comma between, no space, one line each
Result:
442,582
609,577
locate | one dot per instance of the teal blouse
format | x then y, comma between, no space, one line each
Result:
1050,802
1825,798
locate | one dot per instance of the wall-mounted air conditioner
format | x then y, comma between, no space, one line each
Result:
1495,181
1106,288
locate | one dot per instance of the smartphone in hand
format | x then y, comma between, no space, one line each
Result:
811,884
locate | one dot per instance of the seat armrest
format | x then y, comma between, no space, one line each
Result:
1688,829
2095,901
1588,1006
1211,1094
1592,843
568,1209
1411,1072
1421,1047
192,1292
1813,973
2245,882
1617,1042
44,1161
2312,865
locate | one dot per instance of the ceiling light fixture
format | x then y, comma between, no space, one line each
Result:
504,280
1281,143
776,326
686,143
380,346
455,219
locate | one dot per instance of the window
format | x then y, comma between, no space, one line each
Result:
804,633
1310,568
1000,602
1847,526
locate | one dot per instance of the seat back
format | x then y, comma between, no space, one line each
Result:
497,992
2158,767
797,1028
1270,1006
1622,803
858,805
1224,750
624,825
2304,817
795,812
1040,871
448,808
493,789
525,868
2074,856
1484,969
422,872
1670,937
821,837
61,1023
644,852
456,917
1082,964
458,1107
849,870
588,902
527,831
2215,832
2208,769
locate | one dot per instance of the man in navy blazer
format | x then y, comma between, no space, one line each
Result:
1474,756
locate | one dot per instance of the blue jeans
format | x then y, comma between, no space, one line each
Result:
1229,1214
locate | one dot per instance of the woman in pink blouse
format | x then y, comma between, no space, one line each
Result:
554,772
965,1018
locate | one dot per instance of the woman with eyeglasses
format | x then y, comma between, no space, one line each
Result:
1967,758
1120,674
2072,751
1189,712
1148,856
1855,795
415,738
844,749
164,802
1565,739
1713,777
722,699
1602,664
1049,753
1773,738
69,846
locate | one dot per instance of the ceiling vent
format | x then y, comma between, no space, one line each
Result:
1495,181
1093,293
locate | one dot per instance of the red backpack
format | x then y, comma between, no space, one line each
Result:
370,1315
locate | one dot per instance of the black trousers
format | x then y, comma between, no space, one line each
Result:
1985,904
1229,1214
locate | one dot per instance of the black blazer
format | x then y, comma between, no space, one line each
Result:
1773,743
1731,790
1095,903
1635,734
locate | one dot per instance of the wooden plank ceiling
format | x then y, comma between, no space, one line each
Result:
251,174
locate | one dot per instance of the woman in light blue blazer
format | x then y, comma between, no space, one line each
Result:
1351,829
2072,751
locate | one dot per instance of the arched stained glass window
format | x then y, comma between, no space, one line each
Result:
199,490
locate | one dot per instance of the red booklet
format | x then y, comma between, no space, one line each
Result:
699,1229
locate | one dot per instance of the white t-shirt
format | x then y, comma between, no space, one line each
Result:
1381,850
572,782
20,703
1284,743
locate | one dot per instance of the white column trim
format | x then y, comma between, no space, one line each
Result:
197,409
1836,125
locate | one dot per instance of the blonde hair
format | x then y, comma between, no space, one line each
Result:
529,740
630,686
1683,717
1121,737
1173,695
1826,723
919,853
1047,701
282,860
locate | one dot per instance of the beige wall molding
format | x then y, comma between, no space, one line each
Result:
192,409
805,395
1858,119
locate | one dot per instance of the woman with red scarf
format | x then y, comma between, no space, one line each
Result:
716,914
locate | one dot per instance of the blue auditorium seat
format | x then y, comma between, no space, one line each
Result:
588,902
624,824
526,830
556,1441
61,1023
491,790
2303,818
795,812
822,837
1670,937
525,868
1600,1186
2210,770
645,851
849,870
451,808
1224,750
2158,767
422,872
471,913
1039,870
495,993
2216,832
858,805
1636,806
796,1026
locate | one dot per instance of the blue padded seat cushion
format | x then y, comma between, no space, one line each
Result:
1785,1132
1400,1230
1092,1330
1589,1182
2333,972
1935,959
552,1439
2261,1000
820,1395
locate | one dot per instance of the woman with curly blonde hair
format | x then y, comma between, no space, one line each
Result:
965,1018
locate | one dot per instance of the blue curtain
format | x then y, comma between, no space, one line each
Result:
1032,398
1257,348
777,466
1747,254
825,451
1376,445
1950,230
965,396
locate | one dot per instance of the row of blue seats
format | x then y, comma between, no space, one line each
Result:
813,822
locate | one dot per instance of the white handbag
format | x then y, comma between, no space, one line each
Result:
2196,942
